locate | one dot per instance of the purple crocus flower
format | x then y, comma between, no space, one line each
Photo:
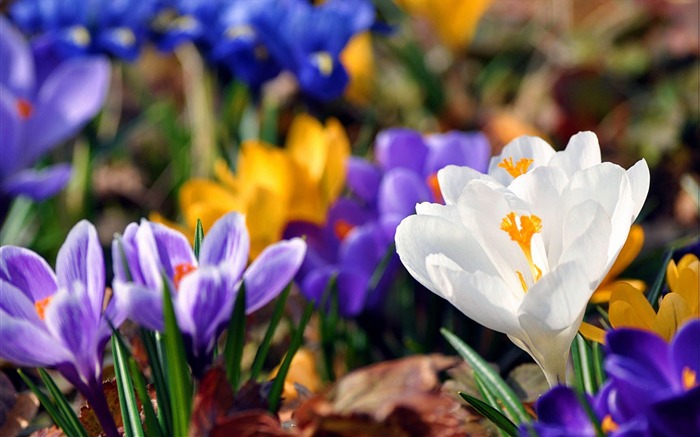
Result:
56,320
359,231
203,290
560,414
36,115
653,388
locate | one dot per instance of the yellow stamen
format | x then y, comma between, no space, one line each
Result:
234,32
608,425
689,378
125,36
79,35
40,306
342,229
434,186
24,108
520,168
324,62
529,226
182,270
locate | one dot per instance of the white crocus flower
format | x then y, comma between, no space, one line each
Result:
523,256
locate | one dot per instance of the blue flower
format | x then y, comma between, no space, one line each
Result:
80,27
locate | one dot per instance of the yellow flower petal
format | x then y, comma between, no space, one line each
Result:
633,244
206,200
629,307
302,370
454,21
265,166
358,59
334,175
673,311
592,332
688,287
603,293
306,143
265,220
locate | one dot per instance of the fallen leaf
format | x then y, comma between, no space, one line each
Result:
16,409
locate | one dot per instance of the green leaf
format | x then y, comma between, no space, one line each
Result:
235,340
264,348
56,415
153,428
159,378
492,381
495,416
490,399
198,237
62,403
178,374
127,400
294,344
582,358
598,361
655,291
268,128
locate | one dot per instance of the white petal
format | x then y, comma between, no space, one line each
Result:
639,178
585,241
583,151
449,212
533,148
418,236
483,298
482,207
453,179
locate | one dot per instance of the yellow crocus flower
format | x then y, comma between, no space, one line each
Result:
629,308
273,186
358,59
454,21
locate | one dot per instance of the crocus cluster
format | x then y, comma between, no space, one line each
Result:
61,320
256,40
521,249
39,109
75,28
652,390
204,290
359,231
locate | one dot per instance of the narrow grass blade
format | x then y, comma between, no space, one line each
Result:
235,340
159,379
583,400
178,374
62,403
490,399
268,128
655,291
52,409
264,348
294,344
492,381
495,416
582,358
598,369
153,428
198,237
127,400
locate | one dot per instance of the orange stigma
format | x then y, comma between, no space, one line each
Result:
342,229
434,186
520,168
24,108
608,425
40,306
182,270
529,226
689,378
